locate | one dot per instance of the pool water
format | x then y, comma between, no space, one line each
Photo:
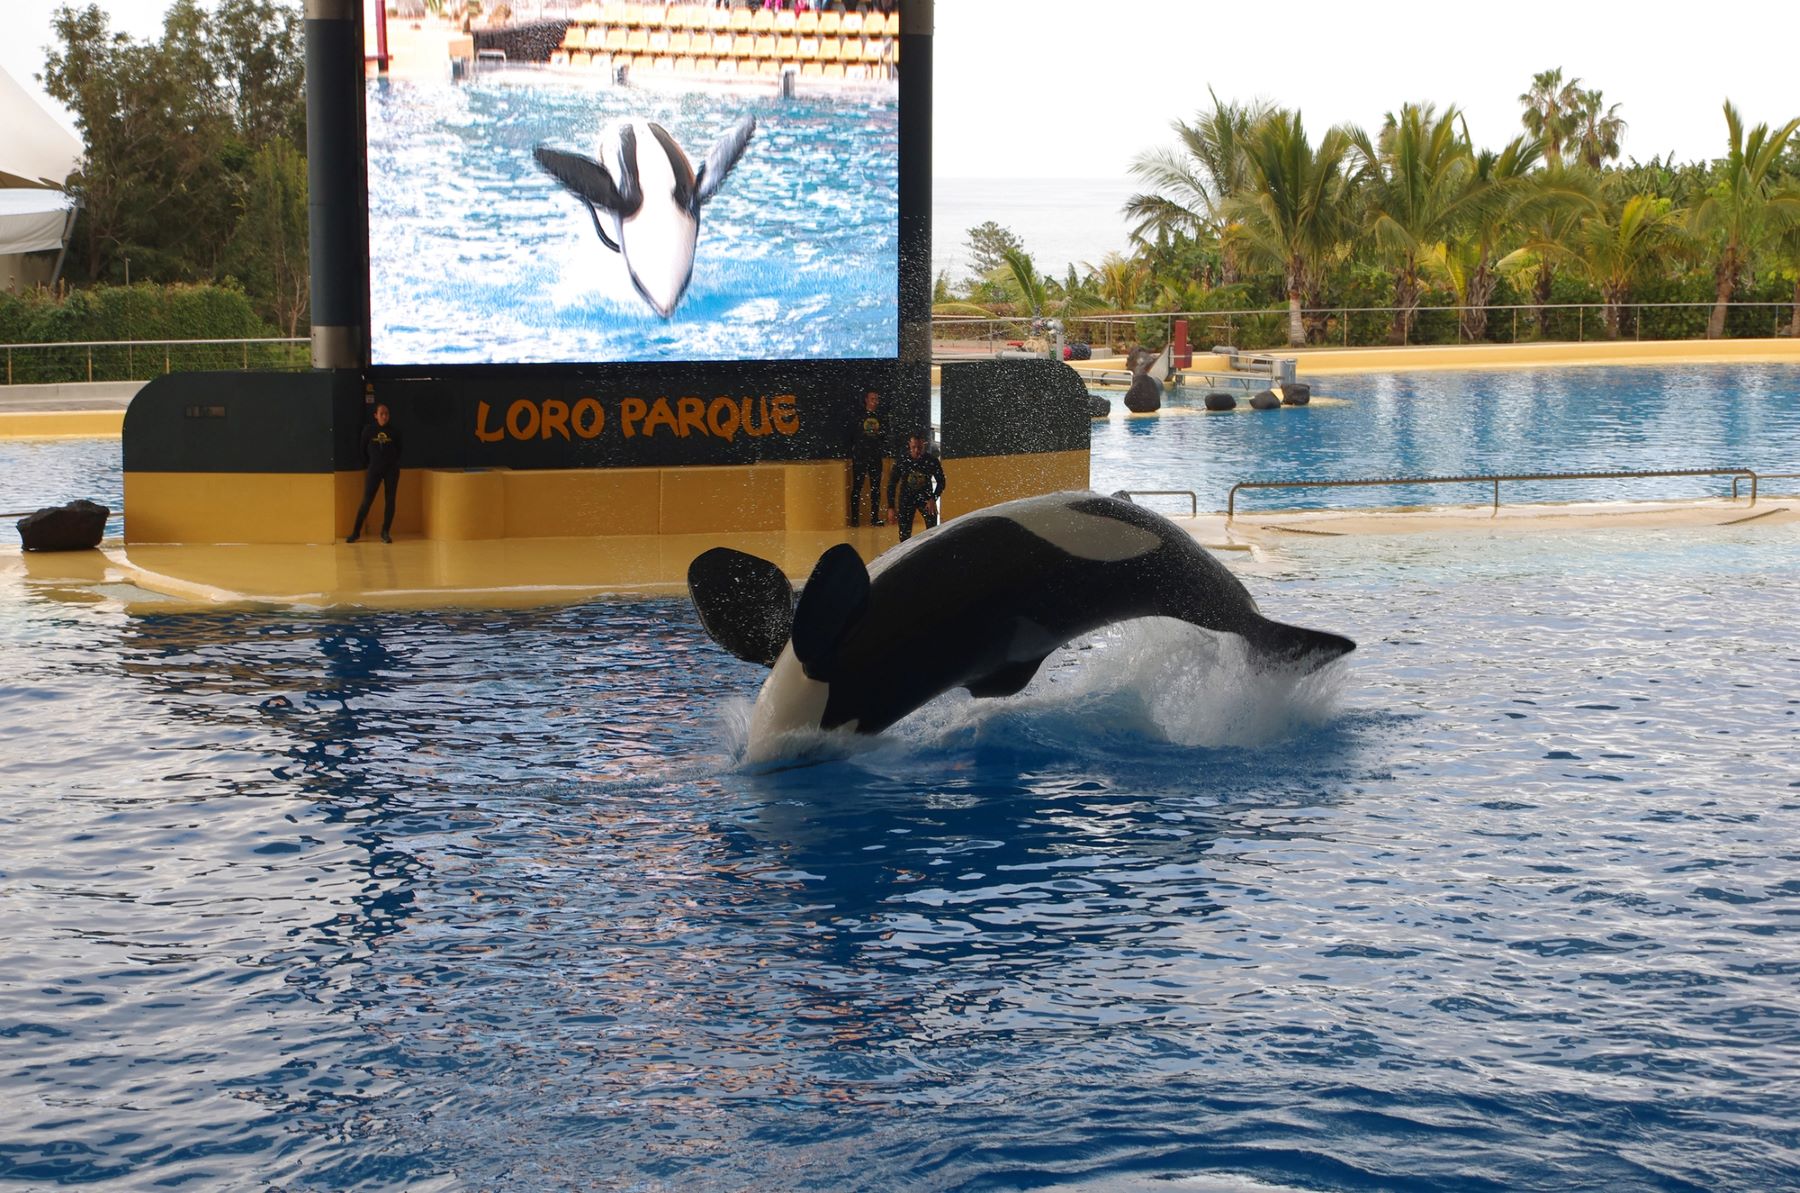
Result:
1597,419
477,255
1506,900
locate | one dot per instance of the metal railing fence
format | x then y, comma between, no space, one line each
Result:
1736,474
140,360
1369,327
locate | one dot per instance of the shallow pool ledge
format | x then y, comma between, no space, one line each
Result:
417,573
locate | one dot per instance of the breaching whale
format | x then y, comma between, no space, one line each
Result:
644,188
977,603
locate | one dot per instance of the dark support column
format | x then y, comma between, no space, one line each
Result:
336,209
916,25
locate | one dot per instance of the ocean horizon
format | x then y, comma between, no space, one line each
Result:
1061,221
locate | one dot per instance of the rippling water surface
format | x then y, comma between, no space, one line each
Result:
1599,419
486,900
476,254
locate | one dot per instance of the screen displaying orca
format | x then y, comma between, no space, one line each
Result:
977,603
644,188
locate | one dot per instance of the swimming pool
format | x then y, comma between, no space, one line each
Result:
1597,419
482,899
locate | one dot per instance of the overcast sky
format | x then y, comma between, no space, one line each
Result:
1078,88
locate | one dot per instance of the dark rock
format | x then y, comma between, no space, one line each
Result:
1297,394
1099,407
1218,399
76,526
1144,396
1266,400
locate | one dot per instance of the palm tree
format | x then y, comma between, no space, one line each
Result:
1294,209
1620,243
1787,249
1021,280
1498,188
1416,192
1594,132
1190,186
1119,282
1561,197
1744,210
1549,108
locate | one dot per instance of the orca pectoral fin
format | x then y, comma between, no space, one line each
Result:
1280,643
833,601
586,177
724,156
744,603
1008,680
599,231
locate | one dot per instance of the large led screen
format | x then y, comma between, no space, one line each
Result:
536,214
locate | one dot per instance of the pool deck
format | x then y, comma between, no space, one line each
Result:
515,573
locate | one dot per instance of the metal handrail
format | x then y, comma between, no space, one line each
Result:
1768,476
1231,499
1193,497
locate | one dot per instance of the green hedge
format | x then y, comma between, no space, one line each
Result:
144,312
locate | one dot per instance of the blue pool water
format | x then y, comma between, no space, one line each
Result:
477,255
484,900
1596,419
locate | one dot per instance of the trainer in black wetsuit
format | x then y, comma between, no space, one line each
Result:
919,480
868,444
381,452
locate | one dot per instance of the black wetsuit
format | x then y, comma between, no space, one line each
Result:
868,442
919,483
381,453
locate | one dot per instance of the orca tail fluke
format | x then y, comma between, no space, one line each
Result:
745,603
1282,644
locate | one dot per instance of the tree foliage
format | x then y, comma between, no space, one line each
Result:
175,128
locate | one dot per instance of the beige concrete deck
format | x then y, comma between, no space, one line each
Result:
514,573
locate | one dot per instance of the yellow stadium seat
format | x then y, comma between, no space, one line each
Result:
765,45
809,48
614,12
637,42
727,66
687,16
874,49
763,21
654,16
663,64
681,42
634,15
834,70
785,21
718,18
829,49
811,70
659,40
721,44
706,66
829,21
787,47
892,28
743,45
578,58
808,22
615,40
575,38
851,23
741,19
600,63
856,71
559,57
768,66
588,14
684,65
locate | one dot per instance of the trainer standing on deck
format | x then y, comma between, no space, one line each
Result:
919,480
868,444
381,454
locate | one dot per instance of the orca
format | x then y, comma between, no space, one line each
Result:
978,603
643,187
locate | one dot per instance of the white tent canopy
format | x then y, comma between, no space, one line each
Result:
32,221
36,150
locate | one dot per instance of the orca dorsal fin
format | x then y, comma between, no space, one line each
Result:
1007,680
722,157
745,604
835,596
